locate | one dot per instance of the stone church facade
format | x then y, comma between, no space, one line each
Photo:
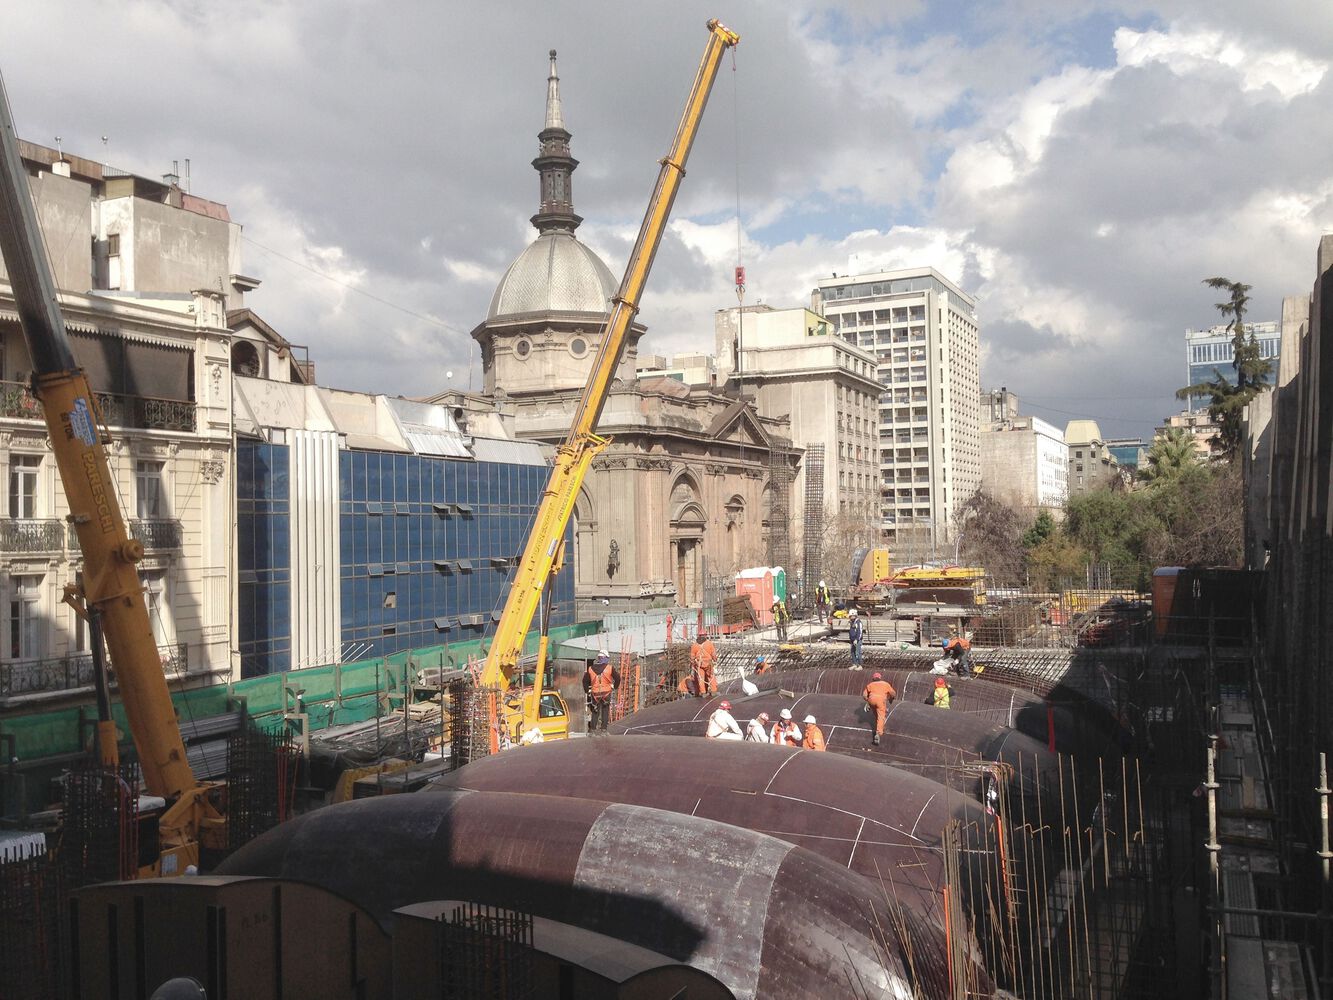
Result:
693,477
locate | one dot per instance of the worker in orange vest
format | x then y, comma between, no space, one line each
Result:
786,733
814,736
703,660
599,685
877,694
959,649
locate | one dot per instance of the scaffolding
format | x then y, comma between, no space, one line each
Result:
33,909
812,526
485,953
779,507
261,784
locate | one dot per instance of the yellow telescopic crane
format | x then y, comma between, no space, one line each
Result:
575,455
111,595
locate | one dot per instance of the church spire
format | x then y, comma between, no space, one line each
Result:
553,117
555,165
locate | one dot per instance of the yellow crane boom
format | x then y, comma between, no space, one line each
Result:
111,588
575,454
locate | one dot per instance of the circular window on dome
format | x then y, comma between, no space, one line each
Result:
578,347
523,348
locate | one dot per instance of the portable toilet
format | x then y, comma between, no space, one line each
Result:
757,585
779,583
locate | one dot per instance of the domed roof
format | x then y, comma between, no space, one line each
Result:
556,273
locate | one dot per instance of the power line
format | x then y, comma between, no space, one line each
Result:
353,288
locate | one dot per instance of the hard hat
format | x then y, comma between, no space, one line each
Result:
944,642
726,705
785,714
602,652
941,682
821,583
809,720
852,612
877,676
759,658
763,715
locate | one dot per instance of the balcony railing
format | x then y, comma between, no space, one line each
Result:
143,412
155,535
31,535
66,673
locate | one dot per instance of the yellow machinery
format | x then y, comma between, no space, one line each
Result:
575,455
111,596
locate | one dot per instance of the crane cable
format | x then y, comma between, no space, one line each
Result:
740,282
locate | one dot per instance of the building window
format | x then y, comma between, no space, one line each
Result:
24,637
523,348
155,596
148,491
23,473
578,347
245,359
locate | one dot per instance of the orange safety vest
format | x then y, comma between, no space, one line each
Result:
958,643
601,684
783,734
814,738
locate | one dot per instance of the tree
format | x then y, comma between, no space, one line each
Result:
1170,455
1056,562
1227,399
991,535
1042,528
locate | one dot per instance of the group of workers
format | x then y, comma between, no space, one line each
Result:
722,725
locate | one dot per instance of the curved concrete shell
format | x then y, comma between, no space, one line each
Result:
880,822
765,917
941,745
1078,725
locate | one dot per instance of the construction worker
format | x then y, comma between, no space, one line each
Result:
821,601
786,732
722,726
814,736
780,618
940,699
600,682
878,694
757,730
855,634
959,649
703,661
761,664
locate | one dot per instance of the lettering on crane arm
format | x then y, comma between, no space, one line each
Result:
98,490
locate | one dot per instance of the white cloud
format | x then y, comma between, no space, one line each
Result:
1285,70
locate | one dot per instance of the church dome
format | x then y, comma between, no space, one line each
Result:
556,273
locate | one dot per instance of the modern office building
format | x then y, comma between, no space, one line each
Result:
1209,353
368,525
797,369
923,331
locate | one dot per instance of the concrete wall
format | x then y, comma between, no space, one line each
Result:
168,249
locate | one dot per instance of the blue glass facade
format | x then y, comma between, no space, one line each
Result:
428,547
263,558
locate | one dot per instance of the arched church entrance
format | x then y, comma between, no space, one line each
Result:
688,521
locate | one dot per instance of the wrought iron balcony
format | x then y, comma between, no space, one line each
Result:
157,534
143,412
31,535
75,670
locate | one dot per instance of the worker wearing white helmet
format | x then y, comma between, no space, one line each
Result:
822,601
757,730
814,736
786,732
856,631
722,726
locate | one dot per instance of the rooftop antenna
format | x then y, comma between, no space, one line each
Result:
187,175
59,153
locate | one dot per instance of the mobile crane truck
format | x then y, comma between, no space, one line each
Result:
541,554
110,595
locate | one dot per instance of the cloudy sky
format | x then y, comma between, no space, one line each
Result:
1079,166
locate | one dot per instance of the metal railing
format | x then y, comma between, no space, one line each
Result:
142,412
157,534
21,534
74,670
